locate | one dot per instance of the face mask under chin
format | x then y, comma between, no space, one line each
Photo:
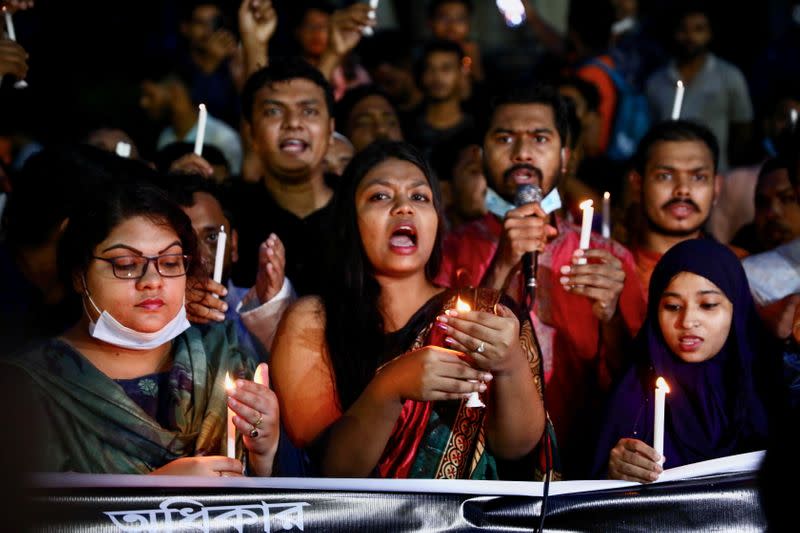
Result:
108,329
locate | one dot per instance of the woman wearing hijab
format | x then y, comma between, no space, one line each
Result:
703,336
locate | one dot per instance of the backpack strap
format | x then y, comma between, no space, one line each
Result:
615,76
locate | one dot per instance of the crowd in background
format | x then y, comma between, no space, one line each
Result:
362,172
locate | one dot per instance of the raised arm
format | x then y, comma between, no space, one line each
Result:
345,33
257,24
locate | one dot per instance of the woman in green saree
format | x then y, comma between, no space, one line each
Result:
131,388
376,372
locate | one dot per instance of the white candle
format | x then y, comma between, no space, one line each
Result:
658,430
607,215
219,259
12,34
586,227
474,399
367,31
793,119
201,130
231,429
678,102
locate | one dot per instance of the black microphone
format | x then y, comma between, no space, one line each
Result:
528,194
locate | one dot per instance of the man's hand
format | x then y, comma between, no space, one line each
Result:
525,229
601,280
271,265
192,164
13,59
257,22
204,303
345,28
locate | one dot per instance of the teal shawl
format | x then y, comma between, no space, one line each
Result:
91,425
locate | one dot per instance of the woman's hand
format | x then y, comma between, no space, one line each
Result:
257,418
429,374
192,164
633,460
492,341
201,466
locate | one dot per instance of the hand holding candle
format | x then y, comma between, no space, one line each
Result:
586,227
201,130
662,388
219,258
12,35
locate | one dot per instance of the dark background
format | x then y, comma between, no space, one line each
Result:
86,57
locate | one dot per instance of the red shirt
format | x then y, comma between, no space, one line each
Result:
577,373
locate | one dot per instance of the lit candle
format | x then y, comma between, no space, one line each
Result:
367,31
678,102
793,119
219,259
607,215
474,399
201,130
586,227
658,430
12,34
231,433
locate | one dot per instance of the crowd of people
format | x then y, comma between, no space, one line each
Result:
332,268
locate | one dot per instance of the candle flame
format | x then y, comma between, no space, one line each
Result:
229,386
606,195
202,106
462,306
680,83
585,205
661,383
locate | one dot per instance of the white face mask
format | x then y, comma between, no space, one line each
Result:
108,329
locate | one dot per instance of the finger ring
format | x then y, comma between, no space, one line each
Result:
257,423
481,348
253,433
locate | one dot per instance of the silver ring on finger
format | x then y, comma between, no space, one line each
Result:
481,348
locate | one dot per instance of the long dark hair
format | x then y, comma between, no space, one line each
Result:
353,324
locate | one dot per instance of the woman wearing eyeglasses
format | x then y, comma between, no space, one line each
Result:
132,388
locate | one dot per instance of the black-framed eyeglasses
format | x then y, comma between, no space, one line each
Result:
135,266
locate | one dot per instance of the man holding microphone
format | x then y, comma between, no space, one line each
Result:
583,313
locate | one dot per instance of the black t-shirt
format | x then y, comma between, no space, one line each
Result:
257,214
428,139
